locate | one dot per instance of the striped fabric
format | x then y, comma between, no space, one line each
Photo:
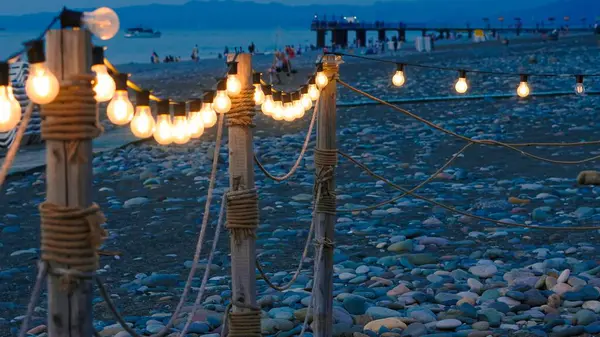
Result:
18,75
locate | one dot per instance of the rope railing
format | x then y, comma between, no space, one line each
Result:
455,210
414,189
292,170
510,146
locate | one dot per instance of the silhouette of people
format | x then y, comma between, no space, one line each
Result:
195,54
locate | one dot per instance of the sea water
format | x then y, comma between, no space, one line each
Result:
211,43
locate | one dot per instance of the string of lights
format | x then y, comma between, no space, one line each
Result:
462,86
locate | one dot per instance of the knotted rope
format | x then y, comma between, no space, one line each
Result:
242,109
325,161
588,178
71,236
73,115
242,214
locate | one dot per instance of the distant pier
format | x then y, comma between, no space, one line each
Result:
339,30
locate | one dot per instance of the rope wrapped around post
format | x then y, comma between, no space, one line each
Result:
242,214
242,109
325,161
73,115
242,324
71,235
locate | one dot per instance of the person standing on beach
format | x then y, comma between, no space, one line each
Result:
195,57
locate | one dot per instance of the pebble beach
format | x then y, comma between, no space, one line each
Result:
409,268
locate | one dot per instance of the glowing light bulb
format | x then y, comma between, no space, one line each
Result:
195,124
259,95
523,89
299,109
42,86
268,105
163,133
120,110
209,116
313,92
10,109
289,112
103,22
143,124
461,85
398,79
234,86
181,131
104,85
277,113
306,102
321,80
579,88
222,102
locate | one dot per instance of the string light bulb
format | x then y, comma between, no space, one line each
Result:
461,85
305,100
289,111
104,85
579,88
398,79
42,86
313,91
277,112
120,110
298,106
234,86
259,95
103,22
195,121
10,109
269,104
523,89
143,124
181,130
163,133
208,114
222,102
321,78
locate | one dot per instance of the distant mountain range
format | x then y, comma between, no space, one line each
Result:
231,14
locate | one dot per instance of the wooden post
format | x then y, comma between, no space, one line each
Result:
324,227
241,176
69,183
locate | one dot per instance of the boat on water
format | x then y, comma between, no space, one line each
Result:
141,33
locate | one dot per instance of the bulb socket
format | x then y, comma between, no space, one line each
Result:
97,55
35,51
267,89
209,96
163,107
256,78
524,78
196,105
286,98
142,98
222,85
179,109
121,81
320,67
233,68
311,80
400,67
278,96
578,78
462,74
304,89
295,96
70,18
4,72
